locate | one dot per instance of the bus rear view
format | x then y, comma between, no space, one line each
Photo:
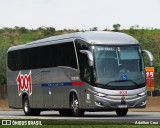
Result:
84,71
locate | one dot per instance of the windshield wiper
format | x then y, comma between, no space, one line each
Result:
123,81
118,61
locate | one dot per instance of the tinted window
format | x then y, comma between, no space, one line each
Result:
43,57
85,72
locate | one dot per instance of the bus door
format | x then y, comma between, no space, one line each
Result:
85,71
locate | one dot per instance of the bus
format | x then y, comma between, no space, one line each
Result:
77,72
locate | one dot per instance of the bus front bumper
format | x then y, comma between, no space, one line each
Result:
117,102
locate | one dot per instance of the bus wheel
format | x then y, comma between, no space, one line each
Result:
121,112
27,110
75,107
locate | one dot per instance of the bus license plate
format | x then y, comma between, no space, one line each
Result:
122,106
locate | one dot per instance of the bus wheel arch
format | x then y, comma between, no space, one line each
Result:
26,107
74,104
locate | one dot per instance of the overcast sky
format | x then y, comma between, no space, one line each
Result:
79,14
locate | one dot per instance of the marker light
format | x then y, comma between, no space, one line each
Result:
98,93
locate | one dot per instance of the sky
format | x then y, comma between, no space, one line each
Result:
79,14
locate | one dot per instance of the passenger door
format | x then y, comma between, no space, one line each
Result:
85,71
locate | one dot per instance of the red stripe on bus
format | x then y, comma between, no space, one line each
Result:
79,83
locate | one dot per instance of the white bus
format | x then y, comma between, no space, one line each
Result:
78,72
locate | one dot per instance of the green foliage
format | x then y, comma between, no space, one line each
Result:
116,27
3,59
94,29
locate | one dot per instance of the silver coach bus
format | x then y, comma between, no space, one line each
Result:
78,72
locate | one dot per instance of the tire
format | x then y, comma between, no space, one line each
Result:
121,112
76,111
27,110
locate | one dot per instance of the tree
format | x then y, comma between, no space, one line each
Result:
49,31
94,29
3,60
3,80
116,27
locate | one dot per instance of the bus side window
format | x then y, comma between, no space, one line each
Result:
85,72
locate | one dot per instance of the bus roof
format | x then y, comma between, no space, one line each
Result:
91,37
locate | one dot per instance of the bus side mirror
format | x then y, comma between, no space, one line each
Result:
150,56
89,55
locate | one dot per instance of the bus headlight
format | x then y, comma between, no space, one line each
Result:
98,93
142,93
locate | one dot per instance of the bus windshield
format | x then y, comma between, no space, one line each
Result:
119,66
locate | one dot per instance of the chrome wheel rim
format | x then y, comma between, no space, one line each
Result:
26,106
75,105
